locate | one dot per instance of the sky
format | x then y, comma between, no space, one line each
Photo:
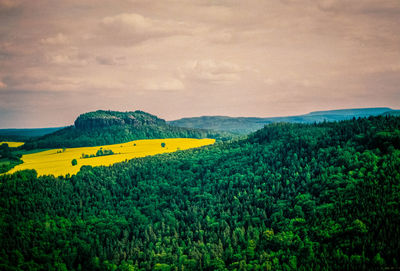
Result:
184,58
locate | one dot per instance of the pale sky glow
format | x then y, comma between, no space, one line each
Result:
182,58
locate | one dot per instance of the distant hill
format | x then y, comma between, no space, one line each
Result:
26,133
105,119
356,112
112,127
245,125
392,113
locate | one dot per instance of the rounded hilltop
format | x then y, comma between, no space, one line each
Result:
103,118
104,127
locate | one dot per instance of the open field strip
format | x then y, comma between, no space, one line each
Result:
12,144
58,161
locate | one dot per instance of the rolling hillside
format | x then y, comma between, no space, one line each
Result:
112,127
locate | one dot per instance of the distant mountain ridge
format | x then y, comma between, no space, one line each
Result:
238,125
112,127
353,112
244,125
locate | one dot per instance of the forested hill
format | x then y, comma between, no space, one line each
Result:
245,125
105,119
290,197
111,127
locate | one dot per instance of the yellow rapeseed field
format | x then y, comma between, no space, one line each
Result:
59,161
12,144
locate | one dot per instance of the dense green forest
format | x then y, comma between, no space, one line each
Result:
112,127
289,197
9,158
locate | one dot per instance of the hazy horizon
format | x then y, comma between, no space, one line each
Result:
305,113
180,58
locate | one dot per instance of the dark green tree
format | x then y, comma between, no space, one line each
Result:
74,162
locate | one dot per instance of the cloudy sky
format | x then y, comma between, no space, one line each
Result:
182,58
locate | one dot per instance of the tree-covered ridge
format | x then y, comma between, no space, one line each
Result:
290,197
246,125
102,118
112,127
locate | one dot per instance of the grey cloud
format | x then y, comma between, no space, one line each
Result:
8,4
14,80
131,28
9,7
378,7
68,60
41,83
67,56
110,61
163,84
105,60
58,39
7,50
210,70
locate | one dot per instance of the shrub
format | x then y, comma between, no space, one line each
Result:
74,162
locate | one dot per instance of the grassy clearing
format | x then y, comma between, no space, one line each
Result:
12,144
58,161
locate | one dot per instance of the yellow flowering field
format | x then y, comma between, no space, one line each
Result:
12,144
59,161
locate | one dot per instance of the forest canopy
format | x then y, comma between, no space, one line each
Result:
288,197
